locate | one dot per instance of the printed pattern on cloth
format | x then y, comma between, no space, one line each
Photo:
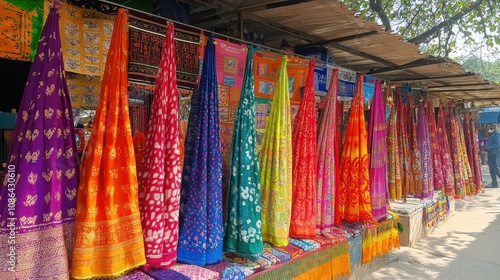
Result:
394,155
425,153
37,200
416,157
436,151
243,216
108,233
195,272
444,144
303,224
354,186
201,221
275,159
166,274
160,177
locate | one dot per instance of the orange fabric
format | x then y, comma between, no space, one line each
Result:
108,233
354,203
267,67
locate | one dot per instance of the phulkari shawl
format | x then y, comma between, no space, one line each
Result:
303,224
354,184
447,163
436,150
201,222
275,159
424,144
108,233
37,200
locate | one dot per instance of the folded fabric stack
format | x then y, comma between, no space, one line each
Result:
306,245
135,275
194,272
167,274
226,271
291,250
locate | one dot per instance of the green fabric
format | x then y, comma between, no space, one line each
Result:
32,6
243,216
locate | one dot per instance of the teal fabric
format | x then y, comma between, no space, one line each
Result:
243,216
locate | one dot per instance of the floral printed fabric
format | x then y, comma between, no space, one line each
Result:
195,272
108,232
354,187
394,156
160,178
447,163
416,159
327,154
303,224
201,228
403,146
275,160
436,150
425,153
243,216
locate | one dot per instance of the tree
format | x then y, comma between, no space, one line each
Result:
490,70
436,25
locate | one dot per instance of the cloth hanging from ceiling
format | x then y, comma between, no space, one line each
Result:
424,145
108,233
436,151
243,222
160,175
37,201
354,182
377,145
473,150
303,224
415,155
393,154
404,145
327,159
275,159
470,188
458,167
201,221
444,144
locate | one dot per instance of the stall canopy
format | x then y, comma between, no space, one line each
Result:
489,115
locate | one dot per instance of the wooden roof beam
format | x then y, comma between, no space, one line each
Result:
462,85
413,64
434,78
342,39
462,90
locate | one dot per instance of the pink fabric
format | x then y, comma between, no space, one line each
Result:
195,272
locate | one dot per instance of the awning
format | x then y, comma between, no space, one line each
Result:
489,117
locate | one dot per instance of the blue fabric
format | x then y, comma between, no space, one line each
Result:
200,229
355,250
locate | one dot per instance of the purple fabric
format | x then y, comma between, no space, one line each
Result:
424,145
43,159
135,275
167,274
377,146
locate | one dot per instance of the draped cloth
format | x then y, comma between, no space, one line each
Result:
458,167
377,145
436,150
243,222
303,224
354,183
394,156
327,163
470,188
160,175
201,221
444,146
275,159
473,151
416,158
424,145
37,201
108,233
404,146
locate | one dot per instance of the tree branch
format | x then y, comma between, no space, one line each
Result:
431,33
419,9
376,6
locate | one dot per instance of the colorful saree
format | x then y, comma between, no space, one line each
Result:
327,166
243,214
394,156
473,151
37,201
447,163
108,233
458,167
160,175
403,146
354,183
470,188
436,150
377,145
303,224
201,222
424,145
275,159
416,158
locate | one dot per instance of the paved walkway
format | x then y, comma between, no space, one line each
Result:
466,246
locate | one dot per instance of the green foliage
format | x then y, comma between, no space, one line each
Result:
490,70
439,26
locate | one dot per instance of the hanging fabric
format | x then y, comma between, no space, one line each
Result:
436,150
201,228
403,145
37,200
458,167
303,224
444,145
275,158
108,233
416,159
160,176
243,222
354,185
473,149
424,145
394,155
377,145
470,188
327,163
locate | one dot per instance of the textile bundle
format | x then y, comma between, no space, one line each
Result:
303,224
436,150
275,160
425,153
43,171
243,214
403,146
201,228
394,175
444,143
415,187
354,185
160,175
108,233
